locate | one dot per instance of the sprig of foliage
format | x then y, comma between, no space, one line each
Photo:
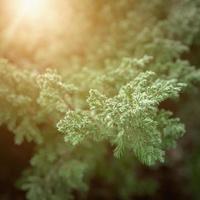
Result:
128,120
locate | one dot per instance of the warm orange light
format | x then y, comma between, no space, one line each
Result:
31,8
31,21
32,14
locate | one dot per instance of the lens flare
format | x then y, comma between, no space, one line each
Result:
32,15
31,8
32,12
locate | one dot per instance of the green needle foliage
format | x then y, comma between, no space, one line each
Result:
128,120
101,111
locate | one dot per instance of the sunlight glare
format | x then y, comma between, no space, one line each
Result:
32,9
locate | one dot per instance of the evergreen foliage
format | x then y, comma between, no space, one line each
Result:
101,110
